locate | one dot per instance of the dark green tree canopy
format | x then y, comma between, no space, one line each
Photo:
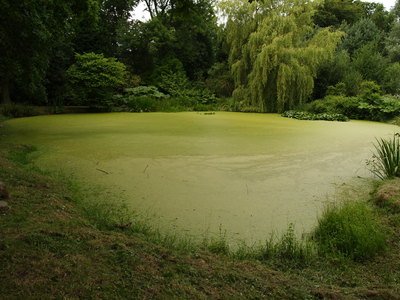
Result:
335,12
360,34
28,30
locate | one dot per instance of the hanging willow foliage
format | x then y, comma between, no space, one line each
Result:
275,51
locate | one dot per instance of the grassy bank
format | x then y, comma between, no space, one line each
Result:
56,244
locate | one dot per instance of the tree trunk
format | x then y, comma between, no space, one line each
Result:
5,90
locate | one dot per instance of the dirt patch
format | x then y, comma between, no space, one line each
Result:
388,194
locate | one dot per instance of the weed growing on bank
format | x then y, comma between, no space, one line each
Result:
350,230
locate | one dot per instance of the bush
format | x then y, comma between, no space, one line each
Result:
141,104
93,79
140,99
14,110
149,91
350,230
385,162
303,115
369,104
376,107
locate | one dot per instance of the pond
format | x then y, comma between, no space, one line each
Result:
245,175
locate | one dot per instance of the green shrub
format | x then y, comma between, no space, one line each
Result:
141,104
348,106
140,99
385,162
339,89
15,110
350,230
149,91
93,79
368,105
174,83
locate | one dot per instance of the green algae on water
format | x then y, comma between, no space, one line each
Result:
246,174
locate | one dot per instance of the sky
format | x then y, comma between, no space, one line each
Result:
140,13
387,3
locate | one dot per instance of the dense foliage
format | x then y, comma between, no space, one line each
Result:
268,56
275,52
368,104
94,78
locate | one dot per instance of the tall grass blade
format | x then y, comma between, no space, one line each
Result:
385,162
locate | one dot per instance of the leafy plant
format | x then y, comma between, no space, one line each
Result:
149,91
303,115
141,104
94,78
385,162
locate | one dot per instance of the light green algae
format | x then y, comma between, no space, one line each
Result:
247,174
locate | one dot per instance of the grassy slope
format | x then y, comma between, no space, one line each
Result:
49,249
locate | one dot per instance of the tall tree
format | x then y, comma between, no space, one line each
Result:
97,24
396,10
382,18
335,12
275,51
195,27
27,30
360,34
392,43
183,30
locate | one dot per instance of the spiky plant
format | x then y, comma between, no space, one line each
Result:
385,162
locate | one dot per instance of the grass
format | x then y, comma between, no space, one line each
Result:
350,230
57,241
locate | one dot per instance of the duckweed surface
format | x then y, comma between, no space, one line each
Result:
243,175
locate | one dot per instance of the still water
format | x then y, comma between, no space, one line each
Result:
245,175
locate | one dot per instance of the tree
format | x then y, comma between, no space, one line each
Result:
392,43
360,34
331,72
335,12
195,27
183,30
97,24
376,13
396,10
275,52
157,8
370,63
27,32
391,82
94,78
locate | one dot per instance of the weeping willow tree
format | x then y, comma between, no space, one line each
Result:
275,51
